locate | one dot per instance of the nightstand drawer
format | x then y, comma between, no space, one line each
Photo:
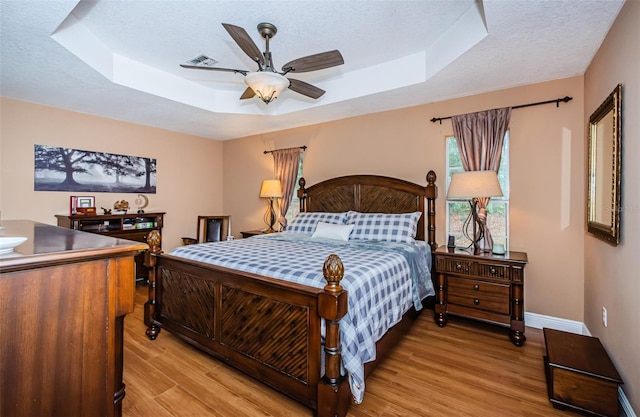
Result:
492,271
479,294
454,265
480,269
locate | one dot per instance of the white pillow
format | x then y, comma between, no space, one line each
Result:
333,231
305,222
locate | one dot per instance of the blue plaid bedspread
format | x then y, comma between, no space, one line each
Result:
383,279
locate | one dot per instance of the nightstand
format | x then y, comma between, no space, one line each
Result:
481,286
256,232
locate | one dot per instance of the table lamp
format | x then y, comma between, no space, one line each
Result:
474,185
270,189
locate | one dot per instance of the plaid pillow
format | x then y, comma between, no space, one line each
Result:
306,222
384,227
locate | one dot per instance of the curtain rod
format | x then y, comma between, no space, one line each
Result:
304,148
557,101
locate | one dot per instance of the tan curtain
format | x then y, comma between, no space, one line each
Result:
480,137
285,169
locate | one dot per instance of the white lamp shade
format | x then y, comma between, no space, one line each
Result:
271,189
267,85
474,184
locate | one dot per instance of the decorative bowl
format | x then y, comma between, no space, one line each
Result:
8,243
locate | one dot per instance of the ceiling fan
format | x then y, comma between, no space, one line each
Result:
267,82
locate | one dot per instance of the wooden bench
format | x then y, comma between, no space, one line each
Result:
580,374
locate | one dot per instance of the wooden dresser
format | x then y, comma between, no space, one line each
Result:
483,286
132,226
63,298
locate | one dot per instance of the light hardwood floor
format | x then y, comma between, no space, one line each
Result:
463,369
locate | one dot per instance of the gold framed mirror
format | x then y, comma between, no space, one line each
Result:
603,169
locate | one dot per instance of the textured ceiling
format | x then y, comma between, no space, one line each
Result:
120,59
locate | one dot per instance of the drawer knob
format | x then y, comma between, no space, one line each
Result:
476,301
492,270
476,287
458,266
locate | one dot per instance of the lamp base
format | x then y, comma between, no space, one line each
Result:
270,216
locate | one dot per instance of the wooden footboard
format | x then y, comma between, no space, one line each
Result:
264,327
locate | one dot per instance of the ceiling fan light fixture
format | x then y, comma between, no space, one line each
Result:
267,85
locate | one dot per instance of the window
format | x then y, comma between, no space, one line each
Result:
457,210
294,206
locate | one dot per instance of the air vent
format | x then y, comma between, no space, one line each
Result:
202,60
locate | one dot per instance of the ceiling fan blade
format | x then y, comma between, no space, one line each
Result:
248,93
305,89
243,72
245,42
314,62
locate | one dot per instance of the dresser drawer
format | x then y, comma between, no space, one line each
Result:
137,235
479,295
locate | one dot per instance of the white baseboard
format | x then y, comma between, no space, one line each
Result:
538,321
625,410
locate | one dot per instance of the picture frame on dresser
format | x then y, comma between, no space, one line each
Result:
86,201
81,202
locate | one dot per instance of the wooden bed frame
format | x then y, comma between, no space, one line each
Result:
268,328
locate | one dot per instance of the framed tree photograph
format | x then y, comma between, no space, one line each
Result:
65,169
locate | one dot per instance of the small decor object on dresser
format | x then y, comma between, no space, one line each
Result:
142,202
481,286
498,249
9,243
120,207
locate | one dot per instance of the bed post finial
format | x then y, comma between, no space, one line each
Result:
432,194
302,194
431,178
333,271
153,240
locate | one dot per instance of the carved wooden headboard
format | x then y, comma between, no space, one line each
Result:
374,194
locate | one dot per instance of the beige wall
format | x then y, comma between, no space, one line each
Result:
612,274
547,175
189,178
